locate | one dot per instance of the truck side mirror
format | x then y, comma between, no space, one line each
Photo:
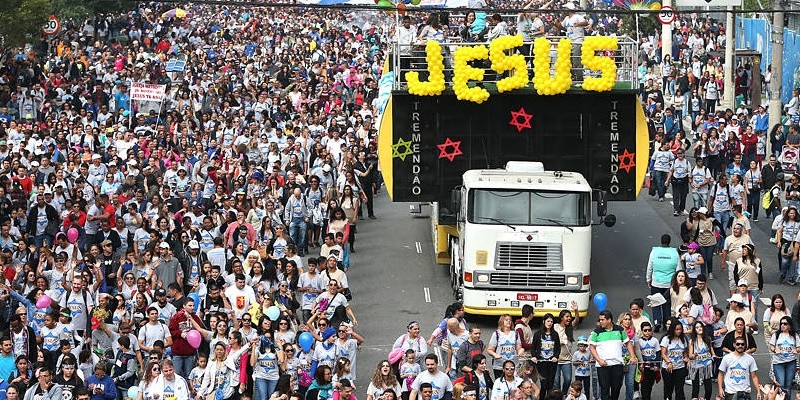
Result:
455,202
602,204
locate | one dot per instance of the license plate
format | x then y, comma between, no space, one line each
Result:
527,296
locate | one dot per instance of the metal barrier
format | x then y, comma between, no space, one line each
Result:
411,57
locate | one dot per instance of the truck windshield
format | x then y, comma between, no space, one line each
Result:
514,207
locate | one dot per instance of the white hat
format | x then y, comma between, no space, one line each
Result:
326,168
193,244
742,282
702,210
164,245
96,157
736,298
34,164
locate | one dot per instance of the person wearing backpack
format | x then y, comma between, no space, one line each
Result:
720,202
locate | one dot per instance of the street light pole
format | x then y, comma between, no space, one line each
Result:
775,104
730,72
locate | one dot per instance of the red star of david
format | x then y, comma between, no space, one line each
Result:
515,119
456,145
627,160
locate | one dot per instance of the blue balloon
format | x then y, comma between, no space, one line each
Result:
607,1
600,301
273,313
306,340
196,299
133,392
407,1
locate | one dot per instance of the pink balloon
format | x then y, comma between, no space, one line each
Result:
44,301
194,338
72,235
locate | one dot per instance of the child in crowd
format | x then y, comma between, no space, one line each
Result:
196,375
582,359
408,371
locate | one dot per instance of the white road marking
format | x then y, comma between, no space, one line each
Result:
427,295
419,247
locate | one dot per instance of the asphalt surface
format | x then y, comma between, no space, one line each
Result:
394,278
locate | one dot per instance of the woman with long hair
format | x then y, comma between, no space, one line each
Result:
784,344
625,320
505,344
382,380
220,376
701,366
545,352
567,322
675,356
147,387
748,268
454,310
739,331
773,315
266,371
350,202
678,288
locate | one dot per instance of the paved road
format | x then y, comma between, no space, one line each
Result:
394,281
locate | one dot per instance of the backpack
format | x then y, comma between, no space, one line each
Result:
707,317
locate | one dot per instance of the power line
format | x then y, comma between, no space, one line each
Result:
366,7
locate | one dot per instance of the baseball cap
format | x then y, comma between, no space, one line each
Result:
742,282
161,292
164,245
193,244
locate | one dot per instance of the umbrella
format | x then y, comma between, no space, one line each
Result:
175,13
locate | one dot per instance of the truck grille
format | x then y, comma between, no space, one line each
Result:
524,279
515,255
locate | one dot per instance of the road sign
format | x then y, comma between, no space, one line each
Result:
51,26
707,3
666,15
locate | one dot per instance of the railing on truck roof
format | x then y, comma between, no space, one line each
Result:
411,57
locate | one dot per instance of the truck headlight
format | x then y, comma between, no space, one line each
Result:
482,277
573,280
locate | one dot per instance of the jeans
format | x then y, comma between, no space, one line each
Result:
723,217
183,365
297,231
659,179
44,239
630,374
788,268
754,202
263,388
680,189
706,388
673,382
784,374
699,199
610,380
564,377
708,259
547,374
662,312
648,380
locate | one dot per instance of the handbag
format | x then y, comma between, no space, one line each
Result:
348,294
651,187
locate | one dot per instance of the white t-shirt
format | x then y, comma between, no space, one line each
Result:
737,371
440,381
240,299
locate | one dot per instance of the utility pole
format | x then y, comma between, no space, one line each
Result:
666,37
775,105
730,69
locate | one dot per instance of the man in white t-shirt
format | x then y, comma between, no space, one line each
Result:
240,296
439,381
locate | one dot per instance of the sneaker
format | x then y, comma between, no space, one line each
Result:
661,199
637,395
772,240
755,332
755,220
792,283
687,381
710,275
685,212
674,213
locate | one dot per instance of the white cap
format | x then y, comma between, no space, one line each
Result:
737,298
193,244
34,163
742,282
96,157
164,245
326,168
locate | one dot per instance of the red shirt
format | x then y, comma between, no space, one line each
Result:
111,211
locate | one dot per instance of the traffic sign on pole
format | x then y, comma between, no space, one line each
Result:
51,26
666,15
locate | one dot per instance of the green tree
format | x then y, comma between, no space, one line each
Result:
20,20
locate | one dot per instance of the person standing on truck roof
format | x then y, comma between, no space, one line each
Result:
661,266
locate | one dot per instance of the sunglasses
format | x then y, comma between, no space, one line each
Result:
739,344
